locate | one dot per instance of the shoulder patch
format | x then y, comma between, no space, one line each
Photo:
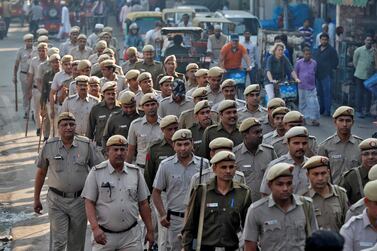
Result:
267,146
239,173
72,96
340,189
312,137
306,198
345,174
274,141
82,138
100,166
132,166
328,139
352,220
237,148
259,203
357,137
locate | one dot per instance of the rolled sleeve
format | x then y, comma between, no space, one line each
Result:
42,161
142,189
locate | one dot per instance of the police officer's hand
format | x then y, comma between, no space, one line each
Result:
38,206
99,236
164,221
52,113
149,237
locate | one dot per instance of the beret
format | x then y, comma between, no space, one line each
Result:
182,134
117,140
372,174
107,63
296,131
83,64
42,45
168,120
201,105
132,74
280,110
293,116
82,36
149,97
251,88
101,44
65,116
110,85
370,190
221,142
42,31
148,47
75,29
343,111
102,34
316,161
42,38
275,102
223,156
248,123
54,57
82,78
215,71
166,79
226,104
171,57
131,50
143,76
94,80
28,36
278,170
75,62
108,51
127,98
67,58
367,144
227,83
201,72
191,66
102,58
108,29
53,50
200,92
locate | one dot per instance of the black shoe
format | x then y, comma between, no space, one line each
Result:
38,132
32,117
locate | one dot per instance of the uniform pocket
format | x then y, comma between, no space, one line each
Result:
107,194
271,231
56,165
132,194
81,165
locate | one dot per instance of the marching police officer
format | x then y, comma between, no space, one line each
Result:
252,107
277,119
186,119
267,121
215,76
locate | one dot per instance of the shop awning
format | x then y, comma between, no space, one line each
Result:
356,3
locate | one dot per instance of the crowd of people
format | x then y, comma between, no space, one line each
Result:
144,152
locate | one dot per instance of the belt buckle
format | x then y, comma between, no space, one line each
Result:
64,195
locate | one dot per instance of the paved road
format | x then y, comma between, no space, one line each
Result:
17,156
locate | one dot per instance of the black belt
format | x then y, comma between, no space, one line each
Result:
178,214
34,86
118,232
141,166
23,72
66,195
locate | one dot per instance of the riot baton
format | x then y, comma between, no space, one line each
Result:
27,118
201,170
41,132
16,95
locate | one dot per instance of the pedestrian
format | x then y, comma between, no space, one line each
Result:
342,148
215,42
113,214
251,50
177,49
146,85
71,43
125,10
99,10
364,63
325,30
307,93
66,161
153,36
93,37
7,15
307,32
218,229
133,38
35,17
282,220
327,61
215,76
65,23
170,69
330,201
81,51
108,69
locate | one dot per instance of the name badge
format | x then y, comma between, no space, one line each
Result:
162,157
58,157
366,244
271,222
337,156
213,205
246,165
123,126
197,142
102,116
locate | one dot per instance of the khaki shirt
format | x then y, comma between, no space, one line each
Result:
300,180
23,56
120,80
78,54
118,123
97,121
197,136
356,209
169,107
244,113
33,68
281,147
156,68
96,70
142,134
342,156
187,119
266,125
81,109
270,137
93,59
254,166
358,233
189,85
126,66
140,94
330,210
68,168
214,97
42,69
175,178
116,194
354,181
275,229
59,79
66,47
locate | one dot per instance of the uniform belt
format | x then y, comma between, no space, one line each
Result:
118,232
141,166
66,195
34,86
23,72
178,214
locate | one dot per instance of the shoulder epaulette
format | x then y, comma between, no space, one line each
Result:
357,137
259,203
131,166
346,173
72,96
328,138
51,140
100,166
312,137
237,147
352,220
82,138
339,188
267,146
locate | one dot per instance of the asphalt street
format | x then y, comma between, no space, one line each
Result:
18,154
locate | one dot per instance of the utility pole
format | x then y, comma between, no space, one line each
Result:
285,14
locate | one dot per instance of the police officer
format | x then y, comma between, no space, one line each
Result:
342,148
44,67
166,86
71,43
252,107
144,131
115,194
131,80
98,50
215,76
191,69
360,231
355,179
201,79
228,89
186,119
146,84
297,141
170,67
330,201
267,121
202,116
83,68
174,176
81,51
108,73
227,127
277,119
283,220
225,211
252,156
66,161
119,121
80,104
94,87
132,55
100,112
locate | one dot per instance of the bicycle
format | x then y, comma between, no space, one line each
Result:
239,76
288,91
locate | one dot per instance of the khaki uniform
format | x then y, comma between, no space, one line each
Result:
244,113
117,196
156,68
189,85
300,180
126,66
66,47
240,103
142,134
97,121
96,70
78,54
281,147
197,136
278,230
175,76
214,97
120,80
93,58
271,137
215,131
358,233
254,166
80,108
67,172
330,211
354,181
224,216
23,56
118,123
356,209
169,107
266,125
342,156
187,119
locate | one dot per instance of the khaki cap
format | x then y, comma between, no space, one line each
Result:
127,98
132,50
367,144
54,57
296,131
132,74
251,88
200,92
67,58
343,111
372,174
75,29
201,72
75,62
102,34
53,50
42,38
278,170
107,29
28,36
42,31
223,156
293,116
221,142
144,76
280,110
110,85
149,97
102,58
215,71
192,66
82,78
101,44
168,120
42,46
182,134
94,80
84,64
107,63
201,105
275,102
82,36
226,104
171,57
370,190
316,161
108,51
65,116
165,79
148,47
248,123
227,83
117,140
